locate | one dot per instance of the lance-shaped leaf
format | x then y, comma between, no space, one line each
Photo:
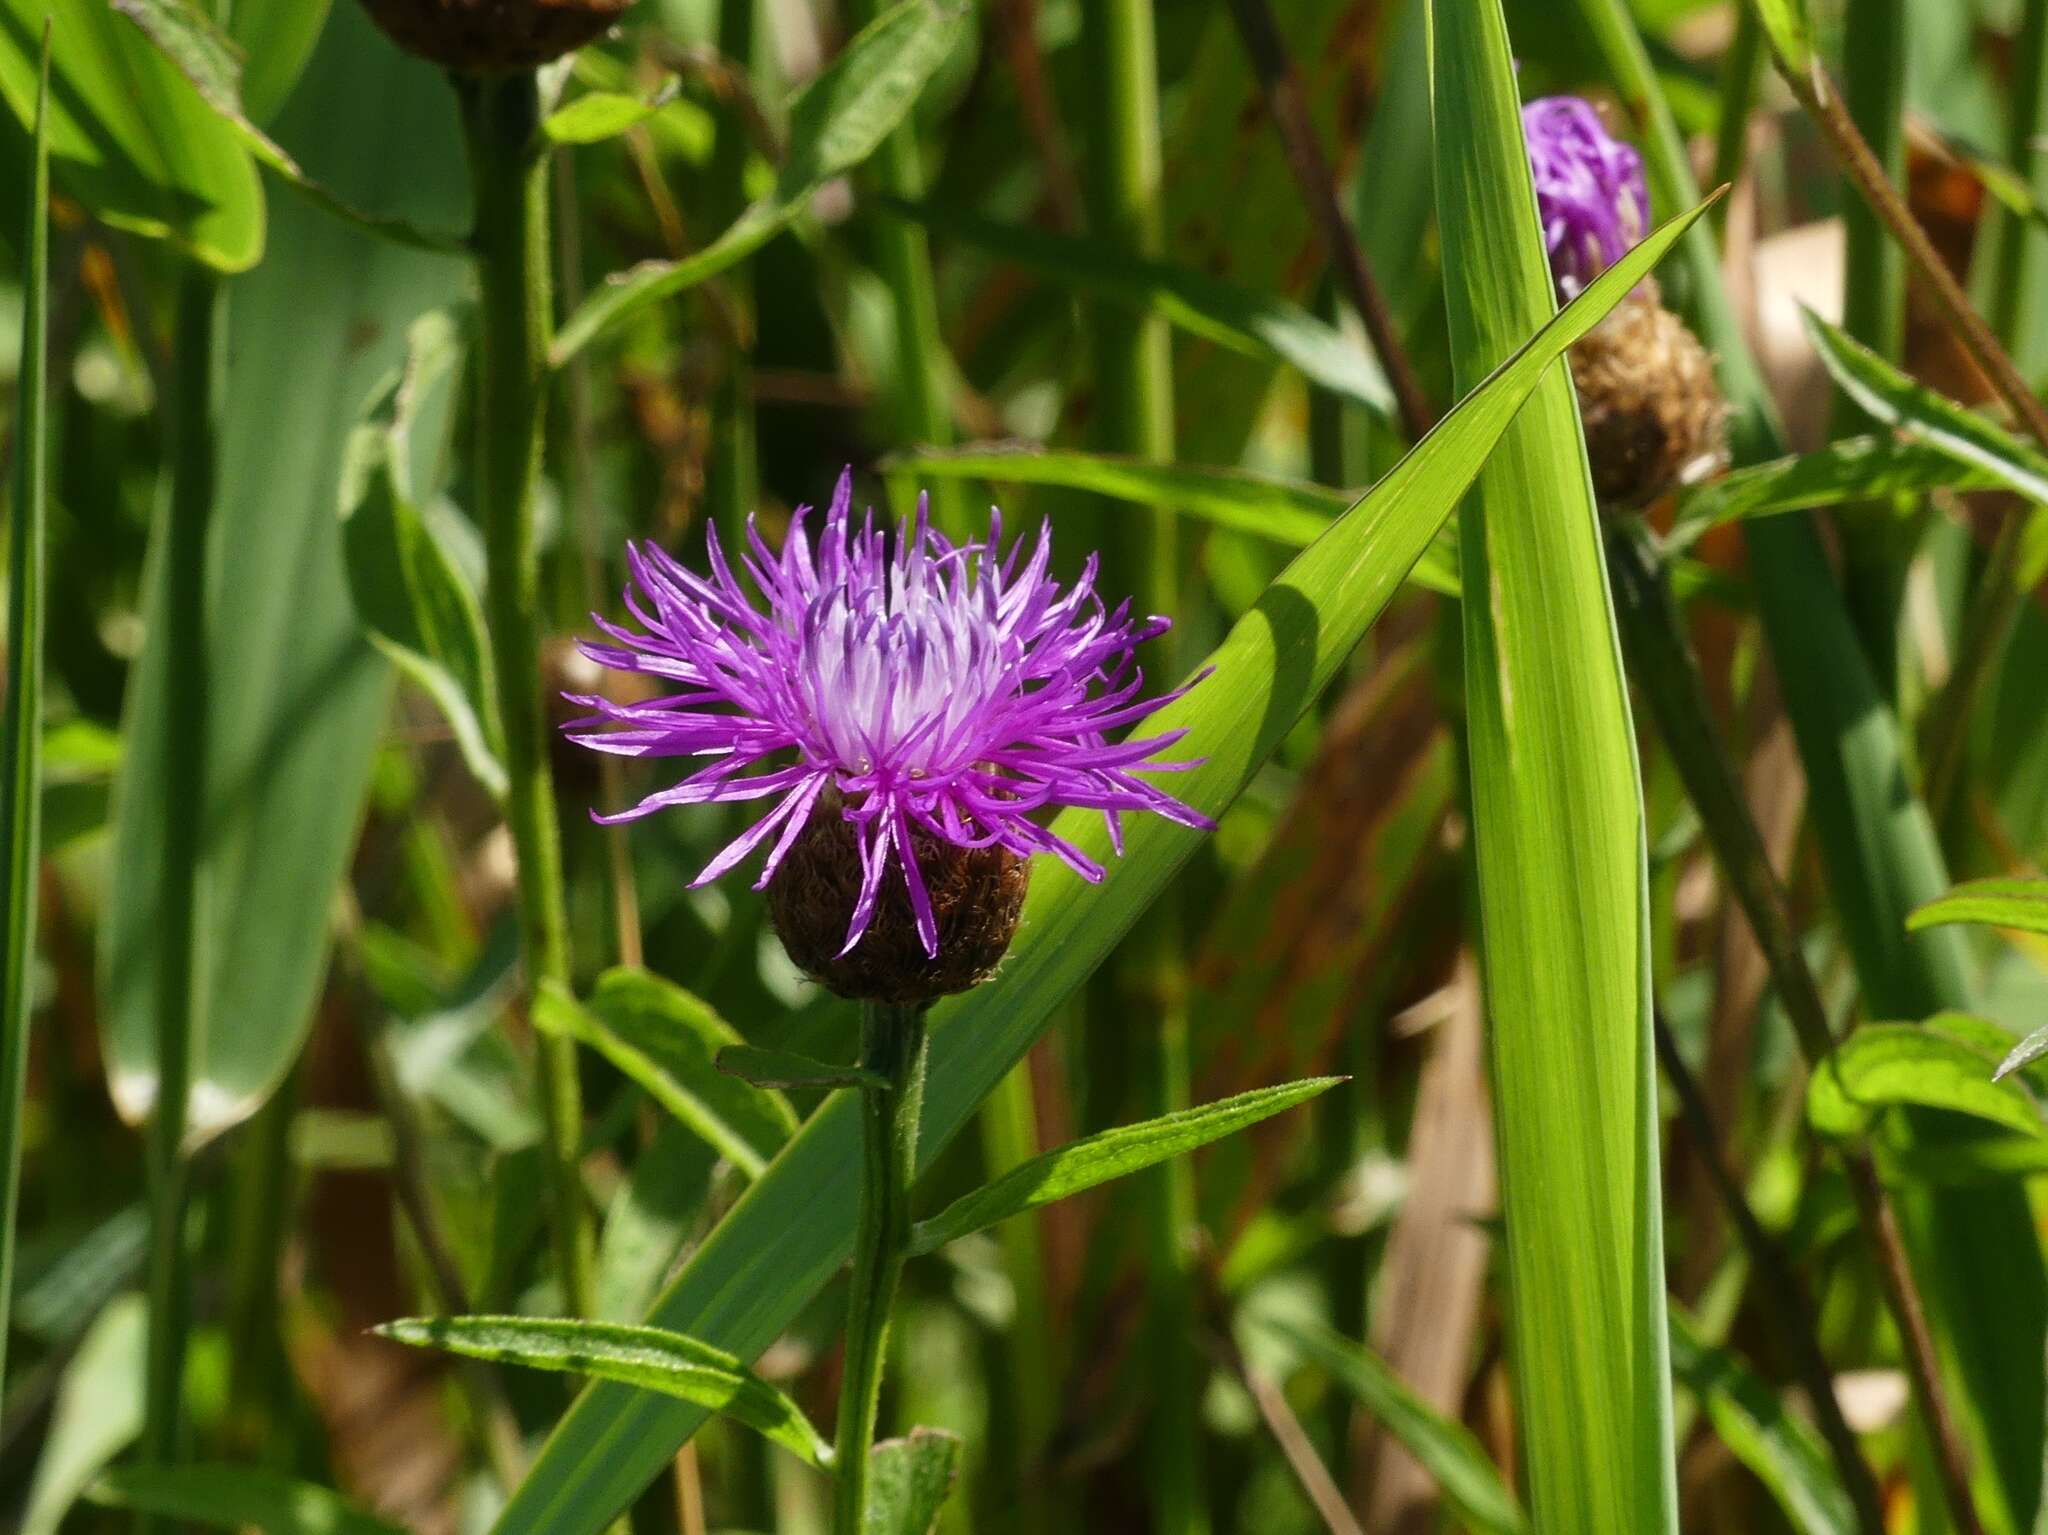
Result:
783,1068
790,1233
1289,512
668,1362
1846,471
1471,1484
1884,1065
909,1481
668,1041
235,1498
2021,904
837,121
1102,1158
599,115
1257,324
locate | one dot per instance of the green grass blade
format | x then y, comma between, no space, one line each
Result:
98,1413
1780,1448
21,769
668,1041
1472,1487
840,119
1254,323
1099,1159
1558,832
235,1498
647,1357
783,1240
2021,904
1290,512
296,696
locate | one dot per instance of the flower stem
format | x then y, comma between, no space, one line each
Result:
509,169
893,1041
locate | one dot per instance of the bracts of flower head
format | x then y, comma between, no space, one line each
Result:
1653,414
912,710
493,36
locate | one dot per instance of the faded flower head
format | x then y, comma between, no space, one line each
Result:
1590,190
910,707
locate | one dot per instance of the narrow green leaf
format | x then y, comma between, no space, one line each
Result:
1789,30
1257,324
1293,513
2021,904
668,1362
207,56
1558,832
1884,1065
296,696
2023,1054
21,743
1848,470
1472,1487
98,1414
837,121
909,1482
781,1068
235,1498
129,137
276,38
408,588
1781,1449
1891,397
782,1243
1102,1158
668,1041
599,115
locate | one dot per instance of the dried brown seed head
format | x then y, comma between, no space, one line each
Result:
493,36
977,895
1653,413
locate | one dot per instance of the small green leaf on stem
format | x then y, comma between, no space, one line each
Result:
910,1480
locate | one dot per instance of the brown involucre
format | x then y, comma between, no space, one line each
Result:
1653,413
977,895
493,36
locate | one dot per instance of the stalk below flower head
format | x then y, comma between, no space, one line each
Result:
1590,190
912,707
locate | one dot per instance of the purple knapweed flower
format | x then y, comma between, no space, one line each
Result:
1590,190
930,694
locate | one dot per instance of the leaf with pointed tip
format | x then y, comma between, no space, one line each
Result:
909,1481
1289,512
837,121
235,1498
668,1041
599,115
784,1069
1884,1065
2021,904
1849,470
1099,1159
781,1244
648,1357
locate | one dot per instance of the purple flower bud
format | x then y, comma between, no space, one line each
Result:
1590,191
938,699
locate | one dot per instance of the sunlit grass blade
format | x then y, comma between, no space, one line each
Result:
21,775
1067,1170
670,1363
1558,832
783,1240
1471,1485
235,1498
1293,513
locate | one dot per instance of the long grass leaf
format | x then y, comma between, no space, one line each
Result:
792,1229
235,1498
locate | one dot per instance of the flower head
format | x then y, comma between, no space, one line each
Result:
1590,190
902,698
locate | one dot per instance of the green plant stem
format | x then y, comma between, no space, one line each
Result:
509,170
21,745
894,1042
1134,414
923,371
199,359
1792,1314
1741,73
1663,666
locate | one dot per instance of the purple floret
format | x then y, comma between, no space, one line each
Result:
1590,191
950,690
